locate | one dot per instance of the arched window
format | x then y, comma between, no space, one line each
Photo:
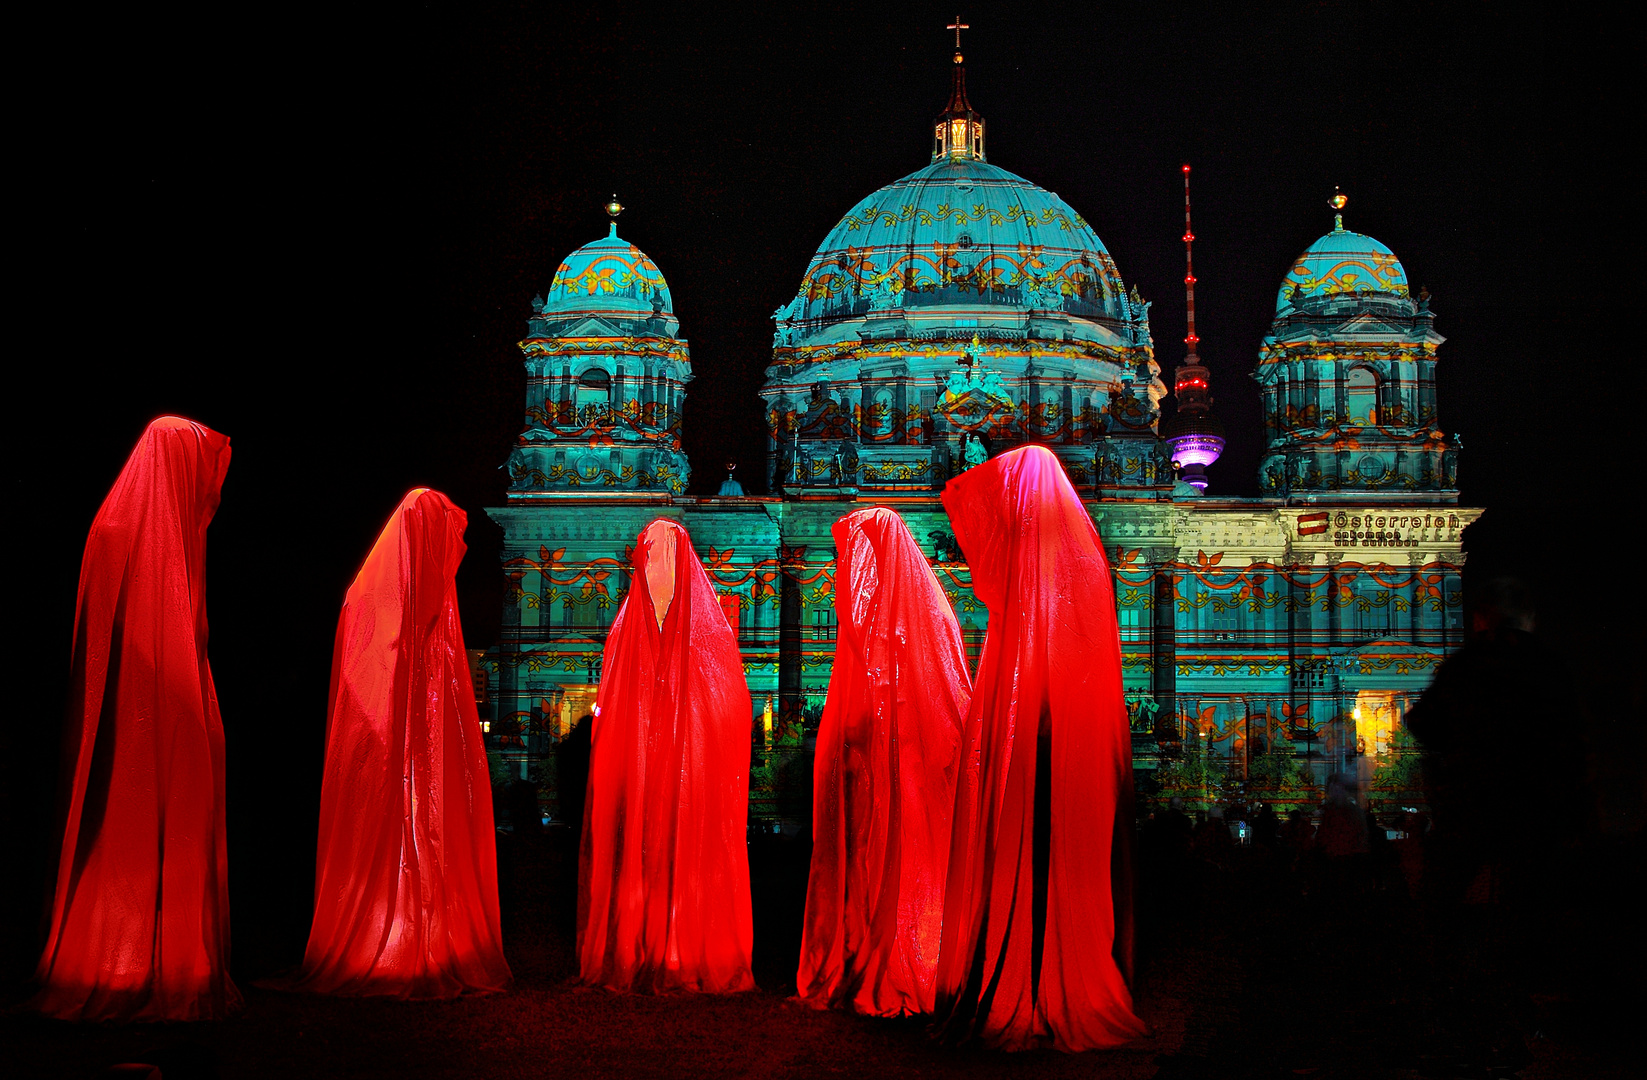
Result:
593,387
1361,396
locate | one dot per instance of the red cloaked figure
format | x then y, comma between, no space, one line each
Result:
1037,915
406,886
884,778
663,883
140,913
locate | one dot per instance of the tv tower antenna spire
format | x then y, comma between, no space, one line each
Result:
1189,273
1195,435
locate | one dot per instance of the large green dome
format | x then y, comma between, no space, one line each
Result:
957,307
959,232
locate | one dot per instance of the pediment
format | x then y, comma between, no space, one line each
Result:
972,402
592,326
1371,324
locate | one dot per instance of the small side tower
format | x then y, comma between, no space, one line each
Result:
606,375
1347,373
1194,434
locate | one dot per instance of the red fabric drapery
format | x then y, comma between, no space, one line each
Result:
1037,912
406,894
140,913
663,887
884,777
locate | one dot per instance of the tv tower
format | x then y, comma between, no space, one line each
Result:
1195,435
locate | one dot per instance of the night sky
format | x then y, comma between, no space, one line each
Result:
320,235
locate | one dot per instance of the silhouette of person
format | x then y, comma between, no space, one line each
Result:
1487,729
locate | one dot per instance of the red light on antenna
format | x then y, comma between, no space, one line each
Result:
1186,169
1188,236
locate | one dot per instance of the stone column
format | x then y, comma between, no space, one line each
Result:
511,649
1415,618
1452,632
1164,633
790,644
1297,611
1335,612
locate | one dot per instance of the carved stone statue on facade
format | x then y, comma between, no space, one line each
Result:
1161,471
784,467
784,333
845,472
1145,709
880,294
1102,467
1149,373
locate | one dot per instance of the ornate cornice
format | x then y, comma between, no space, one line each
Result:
667,348
790,361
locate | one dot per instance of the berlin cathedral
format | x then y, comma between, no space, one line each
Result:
1268,643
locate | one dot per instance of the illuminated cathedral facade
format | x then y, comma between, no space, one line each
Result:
1267,643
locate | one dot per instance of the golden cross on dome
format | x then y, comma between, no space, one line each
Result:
958,26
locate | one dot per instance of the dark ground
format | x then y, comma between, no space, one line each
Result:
1251,965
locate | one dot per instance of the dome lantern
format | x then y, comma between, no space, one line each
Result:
959,130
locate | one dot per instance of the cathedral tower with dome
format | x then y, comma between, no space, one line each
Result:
961,305
1348,377
606,371
962,310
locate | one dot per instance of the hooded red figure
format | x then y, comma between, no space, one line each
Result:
140,913
884,777
663,887
1037,913
406,887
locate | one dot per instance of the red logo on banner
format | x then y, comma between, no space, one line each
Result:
1310,524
